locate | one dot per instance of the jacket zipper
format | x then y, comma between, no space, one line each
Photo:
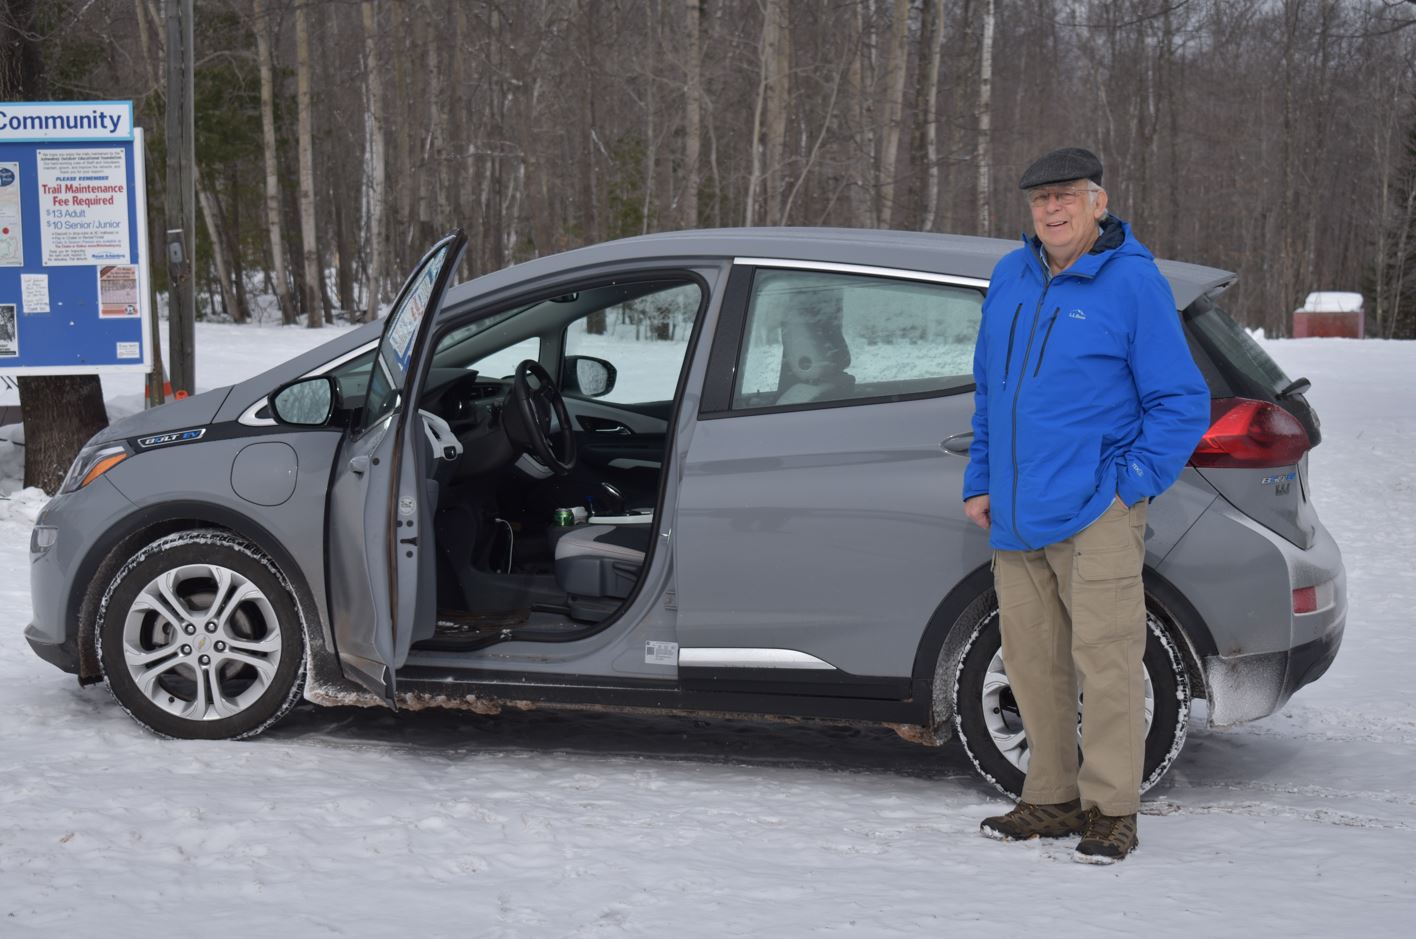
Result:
1017,392
1046,336
1008,362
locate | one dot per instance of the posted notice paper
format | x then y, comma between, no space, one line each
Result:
9,335
12,241
117,291
83,207
34,293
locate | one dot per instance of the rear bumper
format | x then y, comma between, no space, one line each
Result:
1247,687
1240,577
64,655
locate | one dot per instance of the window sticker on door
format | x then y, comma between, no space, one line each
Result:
405,326
660,653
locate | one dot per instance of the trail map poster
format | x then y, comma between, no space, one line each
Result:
12,245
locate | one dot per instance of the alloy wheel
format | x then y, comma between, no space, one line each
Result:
201,641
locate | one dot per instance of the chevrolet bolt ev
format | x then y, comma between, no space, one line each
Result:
760,437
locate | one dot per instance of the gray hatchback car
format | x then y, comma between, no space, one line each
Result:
711,472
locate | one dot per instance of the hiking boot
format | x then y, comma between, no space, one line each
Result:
1027,820
1107,839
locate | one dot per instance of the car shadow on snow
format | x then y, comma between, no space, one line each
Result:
801,744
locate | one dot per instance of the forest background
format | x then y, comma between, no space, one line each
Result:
336,139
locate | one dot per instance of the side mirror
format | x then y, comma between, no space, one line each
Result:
308,402
587,376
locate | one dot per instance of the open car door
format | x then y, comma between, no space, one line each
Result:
381,577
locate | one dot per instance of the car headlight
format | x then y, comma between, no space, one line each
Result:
91,463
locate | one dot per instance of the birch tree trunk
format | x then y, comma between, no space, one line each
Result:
776,53
983,152
861,196
754,177
229,299
374,189
314,308
693,129
931,117
261,26
896,60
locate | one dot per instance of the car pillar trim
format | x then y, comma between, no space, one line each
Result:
835,268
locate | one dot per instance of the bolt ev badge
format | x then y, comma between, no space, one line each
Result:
177,436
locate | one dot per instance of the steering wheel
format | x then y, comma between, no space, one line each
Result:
532,403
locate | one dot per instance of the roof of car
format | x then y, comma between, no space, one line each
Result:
959,255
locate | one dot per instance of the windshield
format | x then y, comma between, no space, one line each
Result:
1235,344
461,334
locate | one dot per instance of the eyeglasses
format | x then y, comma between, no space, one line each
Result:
1038,198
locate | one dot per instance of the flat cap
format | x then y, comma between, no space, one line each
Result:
1062,166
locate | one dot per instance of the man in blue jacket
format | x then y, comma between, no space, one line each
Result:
1088,404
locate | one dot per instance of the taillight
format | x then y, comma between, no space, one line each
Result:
1248,433
1314,598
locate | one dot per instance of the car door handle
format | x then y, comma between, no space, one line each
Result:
359,465
603,425
958,444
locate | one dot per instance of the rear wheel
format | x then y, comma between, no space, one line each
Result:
200,637
991,730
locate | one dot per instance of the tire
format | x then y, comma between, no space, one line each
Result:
985,712
200,637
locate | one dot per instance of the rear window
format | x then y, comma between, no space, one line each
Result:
1229,339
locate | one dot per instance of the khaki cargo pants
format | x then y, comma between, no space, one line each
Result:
1073,614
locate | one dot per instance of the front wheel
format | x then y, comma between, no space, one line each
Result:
991,730
200,637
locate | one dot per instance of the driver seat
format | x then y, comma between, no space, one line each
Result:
601,560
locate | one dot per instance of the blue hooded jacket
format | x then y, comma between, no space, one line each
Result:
1086,390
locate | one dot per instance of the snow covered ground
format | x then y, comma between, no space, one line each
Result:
364,823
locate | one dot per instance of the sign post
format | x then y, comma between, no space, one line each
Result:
74,284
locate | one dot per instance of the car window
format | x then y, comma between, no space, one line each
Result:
644,338
353,377
814,338
1236,345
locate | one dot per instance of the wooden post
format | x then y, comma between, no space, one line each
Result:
181,197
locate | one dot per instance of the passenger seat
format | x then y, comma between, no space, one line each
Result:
601,560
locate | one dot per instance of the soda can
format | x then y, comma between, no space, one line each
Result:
565,517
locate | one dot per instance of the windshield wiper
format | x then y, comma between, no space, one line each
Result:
1296,387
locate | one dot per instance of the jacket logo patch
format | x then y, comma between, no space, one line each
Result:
178,436
1077,315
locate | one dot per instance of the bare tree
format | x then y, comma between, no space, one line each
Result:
546,124
771,102
896,61
375,195
693,113
983,148
931,117
309,247
274,226
234,303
